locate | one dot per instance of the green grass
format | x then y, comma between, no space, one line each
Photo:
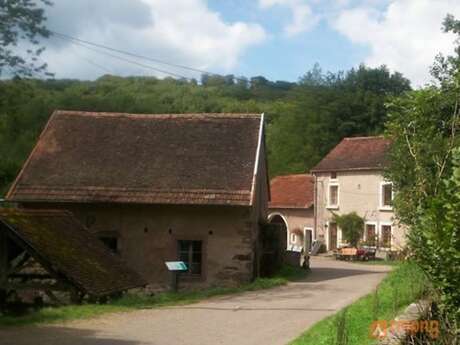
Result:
131,302
404,285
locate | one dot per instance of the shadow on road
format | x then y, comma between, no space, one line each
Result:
56,336
319,274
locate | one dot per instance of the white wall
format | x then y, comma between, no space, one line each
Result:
359,191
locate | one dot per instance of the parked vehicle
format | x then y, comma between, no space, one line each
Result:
351,253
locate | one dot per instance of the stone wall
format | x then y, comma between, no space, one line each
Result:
148,235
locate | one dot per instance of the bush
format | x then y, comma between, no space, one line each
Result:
352,227
435,241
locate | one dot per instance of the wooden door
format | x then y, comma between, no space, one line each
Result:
332,236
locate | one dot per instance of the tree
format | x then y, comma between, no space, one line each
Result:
435,240
324,108
425,169
22,23
352,227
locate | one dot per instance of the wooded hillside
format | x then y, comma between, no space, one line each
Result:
304,120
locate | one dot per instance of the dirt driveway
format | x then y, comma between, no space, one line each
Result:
273,316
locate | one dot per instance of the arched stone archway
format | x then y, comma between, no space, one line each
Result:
279,219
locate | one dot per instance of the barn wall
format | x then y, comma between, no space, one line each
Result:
148,237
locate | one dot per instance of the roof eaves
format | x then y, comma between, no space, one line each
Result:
159,116
304,207
313,171
11,190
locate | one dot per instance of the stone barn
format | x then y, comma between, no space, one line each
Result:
157,188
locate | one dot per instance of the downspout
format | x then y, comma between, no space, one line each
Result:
315,208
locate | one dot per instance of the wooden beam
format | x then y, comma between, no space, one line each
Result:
17,263
54,298
30,276
36,286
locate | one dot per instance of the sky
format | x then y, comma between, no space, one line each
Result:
279,39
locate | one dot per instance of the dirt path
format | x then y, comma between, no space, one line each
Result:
273,316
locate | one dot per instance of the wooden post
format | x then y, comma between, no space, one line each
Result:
3,258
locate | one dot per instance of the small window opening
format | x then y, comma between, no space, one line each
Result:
110,242
387,194
190,252
333,195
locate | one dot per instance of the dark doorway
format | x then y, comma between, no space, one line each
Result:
282,226
332,236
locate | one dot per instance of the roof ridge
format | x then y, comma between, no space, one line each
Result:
158,116
293,175
365,138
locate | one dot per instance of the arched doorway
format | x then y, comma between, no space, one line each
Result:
273,245
280,220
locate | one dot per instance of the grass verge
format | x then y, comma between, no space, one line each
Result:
404,285
132,302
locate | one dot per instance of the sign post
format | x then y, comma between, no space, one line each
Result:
175,267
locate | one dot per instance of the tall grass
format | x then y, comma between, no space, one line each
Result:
404,285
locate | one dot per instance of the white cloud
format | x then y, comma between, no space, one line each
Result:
406,36
303,18
183,32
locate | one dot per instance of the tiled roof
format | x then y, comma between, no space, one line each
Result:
292,191
133,158
71,250
362,153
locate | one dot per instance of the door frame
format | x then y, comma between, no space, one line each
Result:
329,235
305,229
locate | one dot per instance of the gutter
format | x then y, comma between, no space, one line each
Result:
315,208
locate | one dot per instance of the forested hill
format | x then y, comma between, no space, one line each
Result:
304,120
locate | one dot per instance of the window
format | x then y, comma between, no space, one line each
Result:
333,175
333,196
190,252
293,238
386,195
371,237
110,242
386,236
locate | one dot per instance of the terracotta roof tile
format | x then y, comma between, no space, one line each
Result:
140,158
362,153
71,250
292,191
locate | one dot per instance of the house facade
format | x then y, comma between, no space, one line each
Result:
291,204
157,188
350,179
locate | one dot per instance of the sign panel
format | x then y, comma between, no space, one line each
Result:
176,265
